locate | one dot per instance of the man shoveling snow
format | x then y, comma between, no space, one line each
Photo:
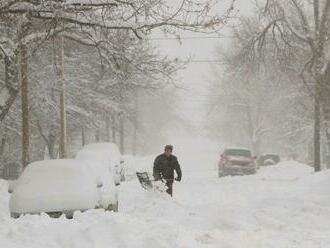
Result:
164,166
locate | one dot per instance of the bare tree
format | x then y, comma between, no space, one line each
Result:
254,88
294,28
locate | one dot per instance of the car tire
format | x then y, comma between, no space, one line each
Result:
113,207
220,174
14,215
69,216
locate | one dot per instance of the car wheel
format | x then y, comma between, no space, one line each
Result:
54,214
15,215
69,216
220,174
113,207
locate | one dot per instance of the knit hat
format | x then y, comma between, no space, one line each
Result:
169,147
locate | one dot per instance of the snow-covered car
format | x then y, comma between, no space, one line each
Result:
107,153
269,159
55,187
108,193
236,161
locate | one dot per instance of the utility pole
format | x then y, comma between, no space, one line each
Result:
121,133
63,138
135,122
23,56
317,134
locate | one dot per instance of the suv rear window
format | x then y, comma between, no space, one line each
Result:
238,152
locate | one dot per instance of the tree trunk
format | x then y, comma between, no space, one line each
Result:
327,133
113,128
51,146
135,135
317,130
135,123
325,94
122,133
107,127
97,135
11,85
2,146
63,137
254,140
25,105
316,7
83,136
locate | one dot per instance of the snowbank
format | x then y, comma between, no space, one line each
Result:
287,170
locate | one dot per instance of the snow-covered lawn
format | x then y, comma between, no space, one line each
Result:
282,206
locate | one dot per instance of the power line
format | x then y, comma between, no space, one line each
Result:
192,38
205,61
188,61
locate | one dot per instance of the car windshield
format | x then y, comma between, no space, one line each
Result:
238,152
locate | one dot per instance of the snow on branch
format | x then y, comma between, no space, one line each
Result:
135,16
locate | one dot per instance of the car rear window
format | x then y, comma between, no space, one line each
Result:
238,152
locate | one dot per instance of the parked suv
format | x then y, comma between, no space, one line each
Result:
236,161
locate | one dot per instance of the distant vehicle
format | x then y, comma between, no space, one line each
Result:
107,153
268,159
57,187
236,161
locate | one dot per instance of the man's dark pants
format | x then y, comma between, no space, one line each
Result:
169,185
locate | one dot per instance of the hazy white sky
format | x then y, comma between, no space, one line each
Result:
197,75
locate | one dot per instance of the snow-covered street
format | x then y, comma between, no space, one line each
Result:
282,206
164,124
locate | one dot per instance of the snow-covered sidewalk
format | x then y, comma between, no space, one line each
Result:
282,206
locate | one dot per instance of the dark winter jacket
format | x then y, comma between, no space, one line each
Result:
164,167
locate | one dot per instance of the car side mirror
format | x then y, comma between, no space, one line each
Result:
117,183
99,184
